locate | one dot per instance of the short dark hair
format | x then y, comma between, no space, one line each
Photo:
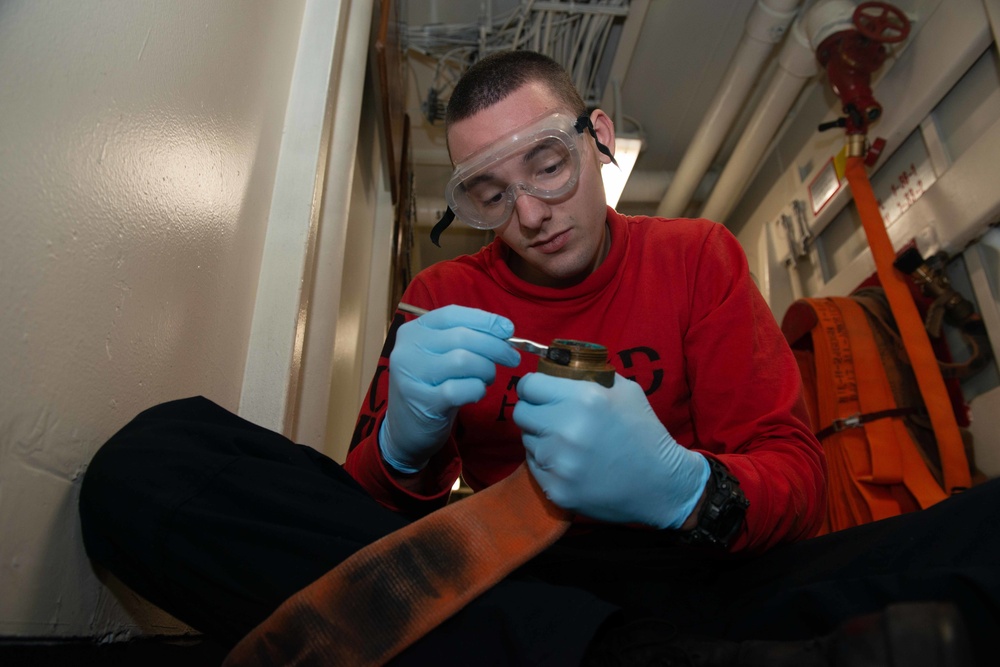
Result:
498,75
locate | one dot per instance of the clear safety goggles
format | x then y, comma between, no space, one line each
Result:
541,159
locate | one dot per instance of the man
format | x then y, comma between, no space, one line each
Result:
672,300
218,521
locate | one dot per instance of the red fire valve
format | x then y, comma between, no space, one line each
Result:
881,22
850,57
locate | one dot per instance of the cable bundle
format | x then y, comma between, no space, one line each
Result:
574,34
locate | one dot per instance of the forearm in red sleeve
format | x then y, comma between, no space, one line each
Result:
747,404
783,475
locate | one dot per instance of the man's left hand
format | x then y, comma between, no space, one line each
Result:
602,452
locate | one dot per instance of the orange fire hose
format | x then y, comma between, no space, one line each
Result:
388,595
954,463
875,468
391,593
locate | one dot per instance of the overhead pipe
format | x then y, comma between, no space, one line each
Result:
796,65
765,27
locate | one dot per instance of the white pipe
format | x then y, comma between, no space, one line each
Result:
796,64
765,27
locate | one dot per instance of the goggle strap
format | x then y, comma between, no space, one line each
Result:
583,122
442,225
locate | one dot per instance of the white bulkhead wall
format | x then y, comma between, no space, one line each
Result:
140,146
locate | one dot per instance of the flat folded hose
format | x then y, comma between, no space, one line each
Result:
388,595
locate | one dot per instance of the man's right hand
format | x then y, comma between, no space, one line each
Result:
441,361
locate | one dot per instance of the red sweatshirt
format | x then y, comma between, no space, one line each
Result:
675,305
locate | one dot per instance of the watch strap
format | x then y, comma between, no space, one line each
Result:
722,514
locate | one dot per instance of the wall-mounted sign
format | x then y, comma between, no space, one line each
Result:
823,187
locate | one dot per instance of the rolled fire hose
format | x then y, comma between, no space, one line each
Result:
386,596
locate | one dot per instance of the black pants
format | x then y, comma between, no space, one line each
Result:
217,521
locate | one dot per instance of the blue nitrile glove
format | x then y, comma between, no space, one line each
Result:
604,453
440,362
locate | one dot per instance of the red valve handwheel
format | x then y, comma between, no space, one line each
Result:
881,22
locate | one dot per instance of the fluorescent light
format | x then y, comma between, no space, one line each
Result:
626,151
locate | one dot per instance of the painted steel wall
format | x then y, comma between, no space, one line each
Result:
138,147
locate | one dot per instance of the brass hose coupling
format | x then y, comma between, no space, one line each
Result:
587,361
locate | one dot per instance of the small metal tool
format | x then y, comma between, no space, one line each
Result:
555,355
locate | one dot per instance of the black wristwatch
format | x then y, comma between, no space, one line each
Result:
722,514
